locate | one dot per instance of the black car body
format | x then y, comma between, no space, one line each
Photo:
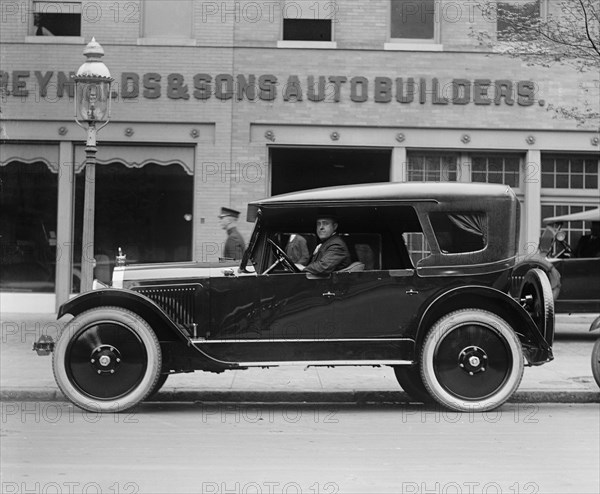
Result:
579,274
446,322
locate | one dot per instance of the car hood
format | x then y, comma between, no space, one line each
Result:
174,271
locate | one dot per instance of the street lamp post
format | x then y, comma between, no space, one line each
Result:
92,112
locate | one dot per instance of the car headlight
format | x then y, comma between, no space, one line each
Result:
561,236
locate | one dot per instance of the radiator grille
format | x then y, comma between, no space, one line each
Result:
177,301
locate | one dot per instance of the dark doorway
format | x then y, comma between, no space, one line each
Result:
296,169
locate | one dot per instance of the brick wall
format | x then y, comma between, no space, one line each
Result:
234,169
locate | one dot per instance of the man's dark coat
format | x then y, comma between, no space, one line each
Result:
332,255
234,245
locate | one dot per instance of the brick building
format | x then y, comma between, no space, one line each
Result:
217,103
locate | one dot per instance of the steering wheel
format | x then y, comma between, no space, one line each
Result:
282,259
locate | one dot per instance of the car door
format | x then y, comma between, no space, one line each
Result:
296,316
580,288
373,311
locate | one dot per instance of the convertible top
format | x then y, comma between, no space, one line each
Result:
386,192
591,215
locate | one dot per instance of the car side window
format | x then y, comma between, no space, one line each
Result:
364,248
460,232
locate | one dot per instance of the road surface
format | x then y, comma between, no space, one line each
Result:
243,448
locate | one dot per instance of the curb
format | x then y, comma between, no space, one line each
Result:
301,397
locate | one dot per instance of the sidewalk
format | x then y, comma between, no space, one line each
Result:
25,376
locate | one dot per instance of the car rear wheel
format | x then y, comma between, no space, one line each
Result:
536,298
596,361
410,379
471,361
107,359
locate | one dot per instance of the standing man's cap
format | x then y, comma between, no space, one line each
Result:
229,212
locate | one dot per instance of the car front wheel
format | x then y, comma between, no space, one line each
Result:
107,359
471,361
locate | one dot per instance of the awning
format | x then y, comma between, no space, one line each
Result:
138,156
30,153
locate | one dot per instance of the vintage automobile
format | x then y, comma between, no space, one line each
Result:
596,352
575,279
579,272
443,319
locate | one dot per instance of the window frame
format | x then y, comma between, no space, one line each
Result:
418,44
503,172
310,44
32,38
442,169
543,15
178,40
583,191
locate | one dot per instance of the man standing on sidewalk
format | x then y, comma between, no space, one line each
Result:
234,245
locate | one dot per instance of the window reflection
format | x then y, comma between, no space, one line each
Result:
146,211
28,208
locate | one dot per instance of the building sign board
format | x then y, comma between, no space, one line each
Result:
291,88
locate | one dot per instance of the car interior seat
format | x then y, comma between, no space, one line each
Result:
353,268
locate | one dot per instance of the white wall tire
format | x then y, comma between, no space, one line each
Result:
107,359
596,362
537,299
471,361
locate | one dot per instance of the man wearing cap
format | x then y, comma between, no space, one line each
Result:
332,253
589,245
234,245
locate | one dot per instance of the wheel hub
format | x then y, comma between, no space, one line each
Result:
105,359
472,359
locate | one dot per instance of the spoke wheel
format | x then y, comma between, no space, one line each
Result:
410,379
107,359
471,361
596,362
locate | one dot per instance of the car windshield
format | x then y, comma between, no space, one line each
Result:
380,237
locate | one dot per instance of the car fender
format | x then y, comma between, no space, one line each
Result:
535,347
595,326
162,325
536,260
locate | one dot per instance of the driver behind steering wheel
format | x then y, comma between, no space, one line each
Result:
331,254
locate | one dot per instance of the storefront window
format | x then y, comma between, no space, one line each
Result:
495,169
146,211
432,167
28,208
570,172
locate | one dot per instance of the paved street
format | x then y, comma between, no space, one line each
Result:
174,447
212,442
